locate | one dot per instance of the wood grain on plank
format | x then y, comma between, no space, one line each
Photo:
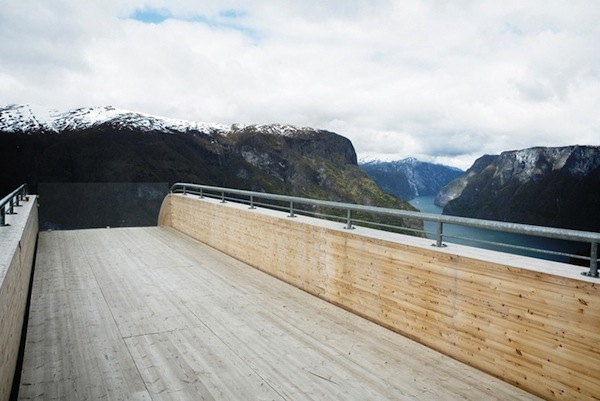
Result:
149,313
514,317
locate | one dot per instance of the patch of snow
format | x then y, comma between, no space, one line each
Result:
23,118
281,129
372,159
16,118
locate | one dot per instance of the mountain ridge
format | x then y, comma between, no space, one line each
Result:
409,177
110,145
550,186
25,118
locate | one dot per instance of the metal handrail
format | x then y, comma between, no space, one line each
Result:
12,200
588,237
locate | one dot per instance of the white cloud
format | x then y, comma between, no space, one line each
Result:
442,81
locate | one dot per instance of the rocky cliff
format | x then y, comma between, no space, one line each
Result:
409,178
99,145
454,188
545,186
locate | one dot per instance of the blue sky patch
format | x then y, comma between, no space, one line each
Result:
150,16
228,19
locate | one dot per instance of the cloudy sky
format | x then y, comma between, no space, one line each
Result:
443,81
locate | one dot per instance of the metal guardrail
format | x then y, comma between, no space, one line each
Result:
292,204
12,200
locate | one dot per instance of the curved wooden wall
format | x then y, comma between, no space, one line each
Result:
535,324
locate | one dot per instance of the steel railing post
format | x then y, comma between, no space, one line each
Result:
252,202
349,220
593,261
439,235
291,209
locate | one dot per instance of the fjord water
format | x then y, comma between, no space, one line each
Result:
471,236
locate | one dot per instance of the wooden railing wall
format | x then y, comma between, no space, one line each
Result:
17,249
535,324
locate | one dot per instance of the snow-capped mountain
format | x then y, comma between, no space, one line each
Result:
26,118
107,145
409,178
30,118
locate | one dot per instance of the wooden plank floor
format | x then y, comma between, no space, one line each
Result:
150,314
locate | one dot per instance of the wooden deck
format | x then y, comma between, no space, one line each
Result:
150,314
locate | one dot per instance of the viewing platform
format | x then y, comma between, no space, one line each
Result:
223,302
151,314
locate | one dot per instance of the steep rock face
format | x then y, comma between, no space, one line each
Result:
295,159
111,145
454,188
544,186
409,178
